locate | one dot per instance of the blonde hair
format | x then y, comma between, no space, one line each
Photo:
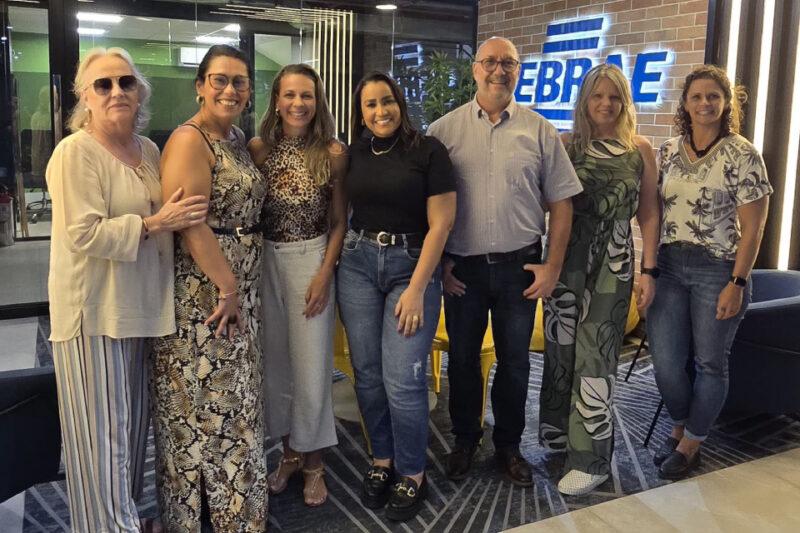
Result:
321,131
582,128
80,116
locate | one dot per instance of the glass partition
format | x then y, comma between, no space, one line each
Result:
42,41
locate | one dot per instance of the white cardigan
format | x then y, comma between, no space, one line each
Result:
103,278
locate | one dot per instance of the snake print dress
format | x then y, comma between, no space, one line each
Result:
207,407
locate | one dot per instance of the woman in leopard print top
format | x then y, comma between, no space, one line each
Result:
304,225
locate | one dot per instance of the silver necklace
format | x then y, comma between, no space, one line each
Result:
381,152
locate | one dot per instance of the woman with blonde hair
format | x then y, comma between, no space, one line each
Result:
110,286
585,317
304,223
714,198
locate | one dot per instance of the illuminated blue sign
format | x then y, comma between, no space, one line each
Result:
549,85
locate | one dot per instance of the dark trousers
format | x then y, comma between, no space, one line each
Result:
494,287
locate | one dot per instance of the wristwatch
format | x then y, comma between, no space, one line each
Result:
652,272
739,282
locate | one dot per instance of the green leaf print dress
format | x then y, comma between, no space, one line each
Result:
584,320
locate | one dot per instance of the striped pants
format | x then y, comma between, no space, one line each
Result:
103,407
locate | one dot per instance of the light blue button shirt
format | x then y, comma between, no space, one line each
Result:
506,174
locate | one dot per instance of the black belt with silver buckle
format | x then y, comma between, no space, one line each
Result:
384,238
239,231
505,257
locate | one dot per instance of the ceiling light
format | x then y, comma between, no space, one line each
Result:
386,7
215,39
85,16
91,31
232,27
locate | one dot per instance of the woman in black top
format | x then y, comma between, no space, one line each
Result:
401,189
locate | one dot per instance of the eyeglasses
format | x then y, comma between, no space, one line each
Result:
103,86
490,63
221,81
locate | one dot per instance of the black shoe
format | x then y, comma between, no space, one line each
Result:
515,467
677,466
459,461
665,451
406,499
375,486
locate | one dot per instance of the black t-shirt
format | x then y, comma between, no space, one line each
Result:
389,192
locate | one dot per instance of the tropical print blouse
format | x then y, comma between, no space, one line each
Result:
699,199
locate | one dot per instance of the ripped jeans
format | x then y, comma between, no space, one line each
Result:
390,369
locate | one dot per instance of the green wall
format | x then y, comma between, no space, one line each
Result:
173,84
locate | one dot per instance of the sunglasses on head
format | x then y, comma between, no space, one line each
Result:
103,86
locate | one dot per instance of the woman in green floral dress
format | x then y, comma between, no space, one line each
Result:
585,317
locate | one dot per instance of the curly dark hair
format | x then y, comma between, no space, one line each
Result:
735,96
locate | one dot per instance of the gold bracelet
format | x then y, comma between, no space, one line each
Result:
224,296
146,229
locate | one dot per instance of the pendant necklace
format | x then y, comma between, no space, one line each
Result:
702,153
381,152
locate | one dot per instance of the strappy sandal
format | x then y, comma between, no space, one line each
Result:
278,480
315,493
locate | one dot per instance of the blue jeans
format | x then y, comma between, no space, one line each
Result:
495,287
682,322
390,369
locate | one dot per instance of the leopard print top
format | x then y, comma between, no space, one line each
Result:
296,208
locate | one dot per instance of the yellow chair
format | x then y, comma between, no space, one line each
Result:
537,339
342,363
441,343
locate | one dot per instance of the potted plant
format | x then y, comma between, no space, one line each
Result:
447,84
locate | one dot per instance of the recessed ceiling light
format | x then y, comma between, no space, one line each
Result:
215,39
232,27
386,7
91,31
85,16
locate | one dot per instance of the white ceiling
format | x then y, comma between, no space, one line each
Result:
158,31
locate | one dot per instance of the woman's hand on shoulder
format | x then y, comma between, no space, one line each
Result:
258,150
339,159
643,144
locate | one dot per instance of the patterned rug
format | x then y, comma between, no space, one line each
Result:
483,502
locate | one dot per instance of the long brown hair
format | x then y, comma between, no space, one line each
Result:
735,96
321,131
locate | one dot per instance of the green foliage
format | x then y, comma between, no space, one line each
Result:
447,83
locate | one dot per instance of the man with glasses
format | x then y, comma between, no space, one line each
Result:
512,169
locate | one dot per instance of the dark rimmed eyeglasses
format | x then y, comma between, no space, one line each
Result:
490,63
221,81
103,86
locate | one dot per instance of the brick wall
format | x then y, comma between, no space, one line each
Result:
631,27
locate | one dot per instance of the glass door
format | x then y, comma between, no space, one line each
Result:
27,95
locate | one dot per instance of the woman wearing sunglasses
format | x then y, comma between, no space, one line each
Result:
207,377
110,286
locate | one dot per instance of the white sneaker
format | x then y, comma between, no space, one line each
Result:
577,483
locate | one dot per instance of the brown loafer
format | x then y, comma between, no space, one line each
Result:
459,461
515,468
